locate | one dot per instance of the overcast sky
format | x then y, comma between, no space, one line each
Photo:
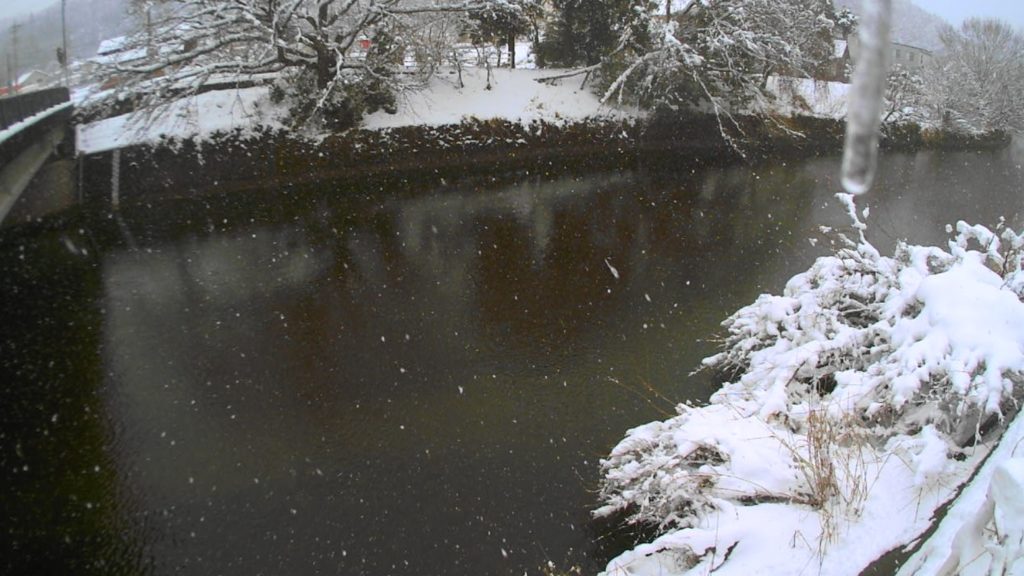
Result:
23,7
953,10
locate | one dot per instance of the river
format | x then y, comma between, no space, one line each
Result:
415,380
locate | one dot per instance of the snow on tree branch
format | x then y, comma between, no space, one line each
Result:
334,58
719,55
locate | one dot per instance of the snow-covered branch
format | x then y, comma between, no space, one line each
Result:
720,55
335,57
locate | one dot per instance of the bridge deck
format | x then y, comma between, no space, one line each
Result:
32,126
14,109
14,129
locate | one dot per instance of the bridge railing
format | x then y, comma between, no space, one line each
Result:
14,109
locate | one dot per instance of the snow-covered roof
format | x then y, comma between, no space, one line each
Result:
111,45
124,49
122,57
33,76
912,47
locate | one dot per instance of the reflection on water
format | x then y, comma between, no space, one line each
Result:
318,382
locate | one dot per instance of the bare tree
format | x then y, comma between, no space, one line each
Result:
904,95
327,53
978,79
724,53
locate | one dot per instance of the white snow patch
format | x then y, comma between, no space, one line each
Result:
808,96
198,116
514,95
983,530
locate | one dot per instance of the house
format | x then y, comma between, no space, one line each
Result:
111,53
845,52
904,55
114,51
112,46
839,64
29,82
33,80
910,57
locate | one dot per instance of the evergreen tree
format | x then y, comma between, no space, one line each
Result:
501,22
584,32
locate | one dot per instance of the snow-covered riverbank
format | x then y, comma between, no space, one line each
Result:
514,95
858,398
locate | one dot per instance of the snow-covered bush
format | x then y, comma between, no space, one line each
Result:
867,370
352,97
924,337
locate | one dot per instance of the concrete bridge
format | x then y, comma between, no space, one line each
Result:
35,128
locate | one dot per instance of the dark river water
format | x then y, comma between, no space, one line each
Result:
416,380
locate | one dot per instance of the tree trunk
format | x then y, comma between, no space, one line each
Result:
324,68
512,50
458,66
324,57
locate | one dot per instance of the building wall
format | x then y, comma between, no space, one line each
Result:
909,57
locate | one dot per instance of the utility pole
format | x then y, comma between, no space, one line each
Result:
64,38
14,56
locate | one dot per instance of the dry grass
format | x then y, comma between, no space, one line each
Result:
833,463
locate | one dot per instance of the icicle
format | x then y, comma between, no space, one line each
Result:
860,156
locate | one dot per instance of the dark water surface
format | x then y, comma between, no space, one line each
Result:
415,381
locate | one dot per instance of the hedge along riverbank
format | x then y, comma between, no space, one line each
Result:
233,161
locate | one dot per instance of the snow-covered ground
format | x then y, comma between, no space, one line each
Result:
984,528
841,435
197,117
515,95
